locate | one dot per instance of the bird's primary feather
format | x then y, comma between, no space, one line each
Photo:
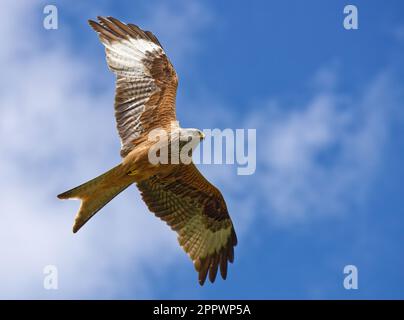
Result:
196,210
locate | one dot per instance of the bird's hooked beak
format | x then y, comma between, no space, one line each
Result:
201,135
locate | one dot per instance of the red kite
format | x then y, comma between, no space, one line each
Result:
146,85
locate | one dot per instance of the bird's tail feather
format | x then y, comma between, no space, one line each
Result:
96,193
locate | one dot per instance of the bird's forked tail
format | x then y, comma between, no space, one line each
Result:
96,193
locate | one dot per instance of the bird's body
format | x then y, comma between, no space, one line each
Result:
176,192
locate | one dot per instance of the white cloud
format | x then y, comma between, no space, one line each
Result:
56,133
319,158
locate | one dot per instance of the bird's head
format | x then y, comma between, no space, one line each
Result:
191,134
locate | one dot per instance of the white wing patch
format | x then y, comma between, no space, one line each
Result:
130,57
126,58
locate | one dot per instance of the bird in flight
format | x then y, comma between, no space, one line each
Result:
177,193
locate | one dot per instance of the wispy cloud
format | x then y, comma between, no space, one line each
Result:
319,158
57,133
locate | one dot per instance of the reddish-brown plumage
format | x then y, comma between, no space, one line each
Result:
179,194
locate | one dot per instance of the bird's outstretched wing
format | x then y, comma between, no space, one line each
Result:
146,80
196,210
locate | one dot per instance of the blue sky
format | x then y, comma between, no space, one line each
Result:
327,104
